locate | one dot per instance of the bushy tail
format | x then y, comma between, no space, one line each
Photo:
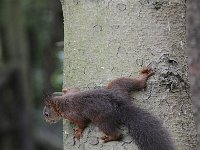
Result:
145,129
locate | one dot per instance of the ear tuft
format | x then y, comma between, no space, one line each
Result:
47,97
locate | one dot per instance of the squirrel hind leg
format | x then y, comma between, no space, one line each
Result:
111,132
114,137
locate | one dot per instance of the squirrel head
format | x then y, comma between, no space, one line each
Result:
49,112
50,115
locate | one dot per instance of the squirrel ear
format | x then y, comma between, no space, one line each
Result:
47,97
57,94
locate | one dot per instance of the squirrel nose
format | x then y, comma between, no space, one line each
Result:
46,114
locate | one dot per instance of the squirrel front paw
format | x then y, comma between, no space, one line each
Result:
147,71
70,90
65,90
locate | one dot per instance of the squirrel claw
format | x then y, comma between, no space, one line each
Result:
146,70
78,133
111,138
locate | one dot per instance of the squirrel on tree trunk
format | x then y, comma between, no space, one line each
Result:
107,108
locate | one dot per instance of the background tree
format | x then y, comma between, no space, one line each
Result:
30,61
107,39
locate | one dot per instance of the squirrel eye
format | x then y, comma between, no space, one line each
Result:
46,114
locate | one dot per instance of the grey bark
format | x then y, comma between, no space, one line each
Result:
106,39
193,37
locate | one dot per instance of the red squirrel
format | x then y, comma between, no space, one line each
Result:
107,108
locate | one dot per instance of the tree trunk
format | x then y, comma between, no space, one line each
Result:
106,39
193,36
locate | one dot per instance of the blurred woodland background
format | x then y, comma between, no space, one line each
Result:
31,58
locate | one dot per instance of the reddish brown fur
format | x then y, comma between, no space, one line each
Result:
55,108
110,107
129,84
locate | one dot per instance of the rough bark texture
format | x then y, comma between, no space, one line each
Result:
193,37
106,39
